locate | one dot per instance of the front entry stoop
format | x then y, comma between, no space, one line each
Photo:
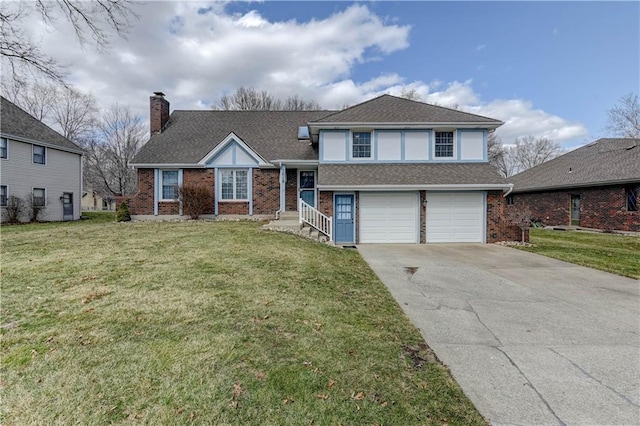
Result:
289,223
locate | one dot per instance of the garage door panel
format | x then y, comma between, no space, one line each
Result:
455,217
388,217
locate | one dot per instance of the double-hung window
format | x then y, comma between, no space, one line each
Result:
39,197
361,146
633,198
169,184
444,145
39,154
4,195
4,144
234,185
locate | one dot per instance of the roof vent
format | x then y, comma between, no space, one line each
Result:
303,133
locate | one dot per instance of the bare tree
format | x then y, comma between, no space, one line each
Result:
90,20
531,151
411,94
65,109
624,117
296,103
75,113
250,99
119,135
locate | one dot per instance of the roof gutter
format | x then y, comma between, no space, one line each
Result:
509,191
79,151
577,185
402,125
428,187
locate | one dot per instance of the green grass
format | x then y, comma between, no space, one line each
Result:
206,323
614,253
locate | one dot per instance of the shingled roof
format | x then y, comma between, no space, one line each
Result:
409,174
391,109
603,162
15,123
190,135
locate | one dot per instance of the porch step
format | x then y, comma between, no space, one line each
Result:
289,215
294,227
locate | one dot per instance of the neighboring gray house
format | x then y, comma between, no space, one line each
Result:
38,162
386,170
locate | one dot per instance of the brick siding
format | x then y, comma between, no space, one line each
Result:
141,203
266,191
497,227
603,207
291,190
233,207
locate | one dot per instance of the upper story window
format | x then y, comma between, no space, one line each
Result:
633,198
4,195
361,147
39,154
234,185
4,144
444,145
169,184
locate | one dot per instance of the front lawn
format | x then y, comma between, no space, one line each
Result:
614,253
210,323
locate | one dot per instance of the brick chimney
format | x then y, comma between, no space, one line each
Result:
159,112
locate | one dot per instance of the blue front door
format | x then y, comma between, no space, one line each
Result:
344,218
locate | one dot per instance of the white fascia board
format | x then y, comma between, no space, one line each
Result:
78,151
166,166
296,163
400,125
232,137
183,166
465,187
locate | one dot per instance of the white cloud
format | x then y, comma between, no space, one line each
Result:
197,51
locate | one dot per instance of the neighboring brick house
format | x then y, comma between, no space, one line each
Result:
595,186
40,164
386,170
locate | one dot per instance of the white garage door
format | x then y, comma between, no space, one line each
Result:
389,217
455,217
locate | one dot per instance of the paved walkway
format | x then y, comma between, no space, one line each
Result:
531,340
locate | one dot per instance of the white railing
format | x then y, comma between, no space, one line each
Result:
308,214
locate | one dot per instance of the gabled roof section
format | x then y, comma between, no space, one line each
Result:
15,123
392,109
227,143
603,162
190,135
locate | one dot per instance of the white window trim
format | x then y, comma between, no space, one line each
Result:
33,147
455,145
371,140
45,194
6,186
161,184
233,171
7,150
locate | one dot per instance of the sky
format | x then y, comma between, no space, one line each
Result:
547,69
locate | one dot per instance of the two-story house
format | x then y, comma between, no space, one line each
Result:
38,165
388,170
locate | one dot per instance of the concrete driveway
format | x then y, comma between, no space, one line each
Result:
531,340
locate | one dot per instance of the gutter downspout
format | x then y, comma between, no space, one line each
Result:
509,191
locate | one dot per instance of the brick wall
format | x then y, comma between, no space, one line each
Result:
291,190
497,227
141,203
266,191
603,207
233,207
325,202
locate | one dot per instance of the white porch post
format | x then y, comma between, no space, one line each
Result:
283,186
